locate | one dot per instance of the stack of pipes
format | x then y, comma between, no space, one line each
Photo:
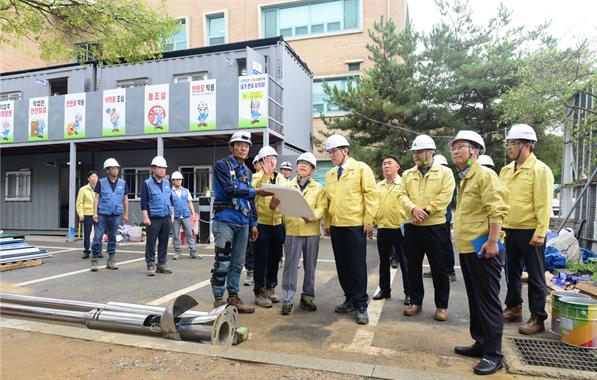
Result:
13,249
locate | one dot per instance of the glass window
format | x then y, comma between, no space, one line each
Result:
137,82
86,51
178,41
354,66
321,103
314,17
216,30
188,77
11,95
18,186
196,179
135,177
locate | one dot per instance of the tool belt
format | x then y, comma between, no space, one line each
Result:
222,205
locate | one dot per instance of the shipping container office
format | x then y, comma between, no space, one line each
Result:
37,194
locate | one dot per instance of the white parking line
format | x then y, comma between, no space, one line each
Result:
63,250
71,273
173,295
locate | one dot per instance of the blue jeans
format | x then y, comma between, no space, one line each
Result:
107,224
231,243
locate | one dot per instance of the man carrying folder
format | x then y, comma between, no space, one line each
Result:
482,206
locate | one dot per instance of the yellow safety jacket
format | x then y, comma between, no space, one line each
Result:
264,214
85,197
482,199
352,199
314,194
531,192
433,192
389,213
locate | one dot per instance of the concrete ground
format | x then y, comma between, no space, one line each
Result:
391,341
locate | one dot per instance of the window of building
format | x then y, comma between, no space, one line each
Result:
179,40
86,51
188,77
311,18
11,95
216,29
58,86
134,177
17,185
354,66
136,82
321,103
197,179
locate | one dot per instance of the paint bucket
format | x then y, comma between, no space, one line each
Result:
555,307
578,322
135,234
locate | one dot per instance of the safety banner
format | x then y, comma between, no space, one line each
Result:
38,119
74,116
202,96
114,112
157,98
7,121
252,101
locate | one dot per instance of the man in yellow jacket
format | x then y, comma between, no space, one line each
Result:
530,182
388,219
268,246
352,204
481,208
302,236
84,207
425,192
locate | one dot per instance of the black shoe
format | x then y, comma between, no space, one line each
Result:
427,274
362,317
381,295
346,307
100,255
474,351
452,277
407,300
85,256
394,263
487,367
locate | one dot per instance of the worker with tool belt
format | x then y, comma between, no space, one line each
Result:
425,192
481,208
530,182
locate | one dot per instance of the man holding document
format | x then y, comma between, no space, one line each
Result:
481,208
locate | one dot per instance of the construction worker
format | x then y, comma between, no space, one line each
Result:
530,182
110,208
352,205
158,216
486,161
84,207
234,221
425,192
302,237
449,249
250,253
268,246
184,214
286,170
389,218
482,205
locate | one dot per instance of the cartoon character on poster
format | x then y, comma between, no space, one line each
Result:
156,108
203,110
114,119
6,129
255,111
114,116
156,116
202,105
74,127
6,121
38,129
74,115
253,101
38,119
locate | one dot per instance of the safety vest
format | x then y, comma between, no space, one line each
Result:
110,202
159,199
181,204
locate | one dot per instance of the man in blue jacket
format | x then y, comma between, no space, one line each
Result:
110,207
234,220
156,204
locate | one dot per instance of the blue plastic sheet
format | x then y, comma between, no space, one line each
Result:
587,254
554,259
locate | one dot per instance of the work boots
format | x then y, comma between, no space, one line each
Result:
286,309
111,264
249,280
412,310
307,304
513,314
194,255
94,264
533,326
176,256
271,294
240,305
150,269
163,268
262,299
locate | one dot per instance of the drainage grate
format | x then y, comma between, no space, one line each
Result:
551,353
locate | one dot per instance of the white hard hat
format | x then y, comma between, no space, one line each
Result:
440,159
335,141
159,161
256,159
485,160
110,162
423,142
471,136
309,157
176,175
241,136
267,151
521,132
286,165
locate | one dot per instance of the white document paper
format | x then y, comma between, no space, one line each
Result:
292,202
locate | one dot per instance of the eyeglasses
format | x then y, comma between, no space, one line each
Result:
459,146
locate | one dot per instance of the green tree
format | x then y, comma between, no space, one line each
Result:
118,29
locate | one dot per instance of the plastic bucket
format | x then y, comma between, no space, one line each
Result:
135,234
555,307
578,322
